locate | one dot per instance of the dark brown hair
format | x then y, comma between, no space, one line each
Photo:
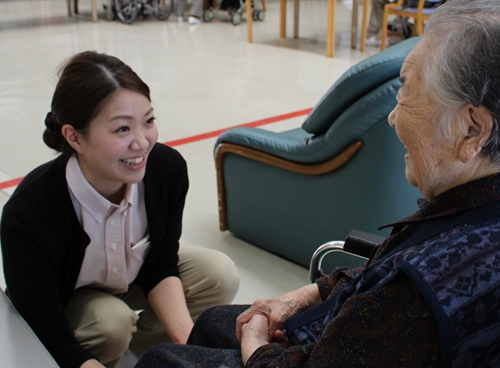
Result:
86,82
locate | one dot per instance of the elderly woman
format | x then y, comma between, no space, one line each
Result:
430,295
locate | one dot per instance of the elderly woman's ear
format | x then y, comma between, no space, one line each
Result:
479,124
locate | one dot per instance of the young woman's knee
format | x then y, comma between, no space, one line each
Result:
102,324
209,278
117,328
224,276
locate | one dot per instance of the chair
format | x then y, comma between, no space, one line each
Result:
364,27
343,169
94,9
249,17
420,14
353,252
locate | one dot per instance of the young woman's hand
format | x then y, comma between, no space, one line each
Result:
168,302
92,364
278,310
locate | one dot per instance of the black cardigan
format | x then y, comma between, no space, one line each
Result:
43,245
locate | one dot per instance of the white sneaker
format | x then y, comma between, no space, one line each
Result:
194,20
180,19
375,41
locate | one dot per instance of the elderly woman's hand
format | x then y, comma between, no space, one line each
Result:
278,310
253,335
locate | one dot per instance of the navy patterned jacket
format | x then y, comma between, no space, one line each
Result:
429,296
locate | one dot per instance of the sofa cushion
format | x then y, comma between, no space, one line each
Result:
355,83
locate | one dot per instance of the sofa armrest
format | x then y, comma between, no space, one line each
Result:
284,144
259,156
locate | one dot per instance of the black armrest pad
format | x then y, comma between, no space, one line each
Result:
361,243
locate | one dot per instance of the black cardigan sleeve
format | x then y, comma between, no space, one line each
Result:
166,185
42,250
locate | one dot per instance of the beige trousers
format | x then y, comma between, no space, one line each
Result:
107,325
377,16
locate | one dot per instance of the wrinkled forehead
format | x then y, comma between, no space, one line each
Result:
416,59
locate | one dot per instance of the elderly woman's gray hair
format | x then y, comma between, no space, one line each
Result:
464,64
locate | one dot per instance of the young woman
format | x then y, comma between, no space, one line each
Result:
92,237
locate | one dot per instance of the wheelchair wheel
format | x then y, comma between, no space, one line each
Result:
127,10
255,14
163,8
258,14
208,14
236,18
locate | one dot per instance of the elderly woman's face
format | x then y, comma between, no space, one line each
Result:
429,161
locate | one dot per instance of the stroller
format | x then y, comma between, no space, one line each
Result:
235,9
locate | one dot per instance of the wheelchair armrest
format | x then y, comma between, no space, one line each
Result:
319,254
361,243
358,243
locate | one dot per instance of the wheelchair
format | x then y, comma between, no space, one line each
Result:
128,10
235,9
353,252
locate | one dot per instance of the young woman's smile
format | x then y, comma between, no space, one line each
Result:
114,151
134,161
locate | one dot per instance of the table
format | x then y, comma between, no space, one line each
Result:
330,29
94,9
330,36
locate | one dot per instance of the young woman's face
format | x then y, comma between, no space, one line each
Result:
116,148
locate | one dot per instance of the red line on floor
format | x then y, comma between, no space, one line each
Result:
200,137
253,124
10,183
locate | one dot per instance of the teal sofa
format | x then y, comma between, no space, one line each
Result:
343,169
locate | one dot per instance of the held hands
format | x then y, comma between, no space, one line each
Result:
277,310
253,335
